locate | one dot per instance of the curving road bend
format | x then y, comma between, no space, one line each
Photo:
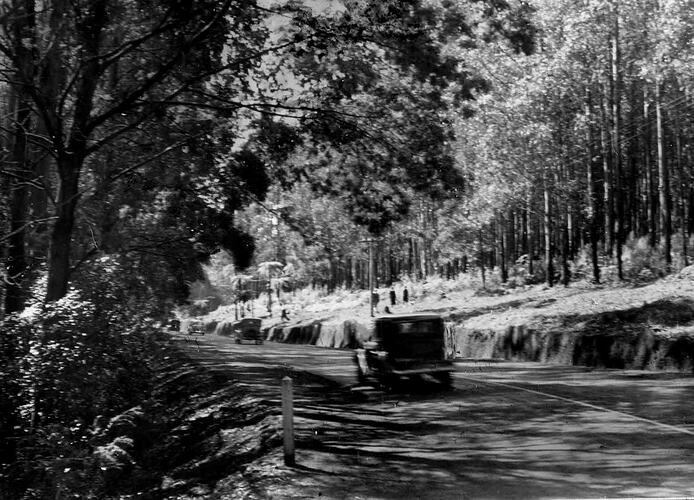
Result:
506,430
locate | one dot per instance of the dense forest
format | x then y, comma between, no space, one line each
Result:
144,142
573,161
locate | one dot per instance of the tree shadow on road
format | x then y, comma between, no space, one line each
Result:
478,441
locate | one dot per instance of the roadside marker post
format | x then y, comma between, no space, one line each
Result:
288,421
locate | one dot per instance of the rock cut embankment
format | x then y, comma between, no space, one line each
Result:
605,328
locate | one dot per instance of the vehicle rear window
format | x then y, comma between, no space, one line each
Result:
409,327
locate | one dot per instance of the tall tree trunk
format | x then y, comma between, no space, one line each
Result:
530,235
22,26
423,262
593,223
608,204
480,257
60,243
23,30
689,193
71,156
411,269
502,247
663,183
565,249
549,266
524,232
650,198
511,249
16,254
616,145
681,187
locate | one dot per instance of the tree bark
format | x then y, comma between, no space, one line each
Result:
593,223
549,266
71,157
61,234
502,249
681,202
650,199
18,193
565,249
530,235
663,183
616,145
23,31
608,203
480,257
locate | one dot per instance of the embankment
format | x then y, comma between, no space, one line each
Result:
652,336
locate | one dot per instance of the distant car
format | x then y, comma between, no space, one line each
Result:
196,328
404,345
247,329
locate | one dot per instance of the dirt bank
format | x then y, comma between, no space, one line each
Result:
641,327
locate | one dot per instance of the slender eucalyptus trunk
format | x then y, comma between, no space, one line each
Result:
663,183
593,223
616,145
480,257
530,236
649,198
565,249
608,203
502,248
549,266
681,188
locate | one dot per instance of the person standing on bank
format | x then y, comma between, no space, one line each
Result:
374,300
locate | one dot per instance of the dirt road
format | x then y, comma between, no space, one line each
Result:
505,430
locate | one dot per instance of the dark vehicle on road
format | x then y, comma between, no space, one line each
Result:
404,345
248,329
196,328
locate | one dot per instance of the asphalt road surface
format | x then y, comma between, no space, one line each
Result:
506,430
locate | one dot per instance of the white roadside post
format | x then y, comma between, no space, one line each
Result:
288,421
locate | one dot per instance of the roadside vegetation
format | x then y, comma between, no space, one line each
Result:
167,160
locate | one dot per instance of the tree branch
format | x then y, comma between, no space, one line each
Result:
162,72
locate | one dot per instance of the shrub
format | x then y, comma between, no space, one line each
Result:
640,260
85,355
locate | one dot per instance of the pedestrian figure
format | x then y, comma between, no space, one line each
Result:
392,297
374,300
285,314
387,310
405,296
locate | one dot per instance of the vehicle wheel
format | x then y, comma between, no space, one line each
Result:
444,378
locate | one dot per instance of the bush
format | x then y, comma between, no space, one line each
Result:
86,355
641,261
